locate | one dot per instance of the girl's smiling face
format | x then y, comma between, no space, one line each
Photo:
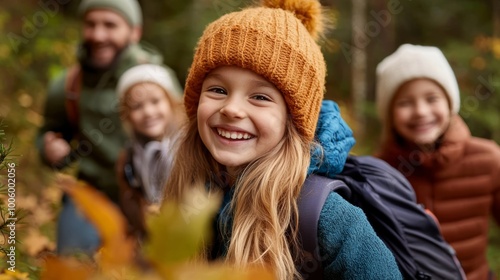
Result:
421,111
241,116
149,110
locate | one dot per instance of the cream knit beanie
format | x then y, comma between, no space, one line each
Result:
410,62
149,73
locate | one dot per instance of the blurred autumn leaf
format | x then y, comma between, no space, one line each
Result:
176,235
116,249
62,269
14,275
220,271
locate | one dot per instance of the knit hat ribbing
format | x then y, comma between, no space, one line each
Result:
410,62
129,9
277,42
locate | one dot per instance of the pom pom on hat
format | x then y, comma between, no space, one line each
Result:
148,73
276,41
308,12
410,62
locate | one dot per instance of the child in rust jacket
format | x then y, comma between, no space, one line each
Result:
454,174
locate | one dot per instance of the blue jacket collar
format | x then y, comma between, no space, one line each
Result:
335,138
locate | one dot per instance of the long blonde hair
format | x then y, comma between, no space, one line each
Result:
264,207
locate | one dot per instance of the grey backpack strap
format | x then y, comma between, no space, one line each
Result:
311,200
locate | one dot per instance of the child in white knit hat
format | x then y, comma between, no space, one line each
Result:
151,110
454,174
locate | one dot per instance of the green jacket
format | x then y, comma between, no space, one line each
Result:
100,136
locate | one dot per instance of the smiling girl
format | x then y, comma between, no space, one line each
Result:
151,112
454,174
253,96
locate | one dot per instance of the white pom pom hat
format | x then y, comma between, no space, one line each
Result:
410,62
149,73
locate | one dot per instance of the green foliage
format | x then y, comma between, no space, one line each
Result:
494,250
36,45
12,217
4,153
477,67
5,150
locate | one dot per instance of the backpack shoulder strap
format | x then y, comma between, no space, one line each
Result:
311,200
72,89
129,171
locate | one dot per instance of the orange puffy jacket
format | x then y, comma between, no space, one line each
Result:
460,183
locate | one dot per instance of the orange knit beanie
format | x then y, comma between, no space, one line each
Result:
276,41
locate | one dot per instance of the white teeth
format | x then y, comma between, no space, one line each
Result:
233,135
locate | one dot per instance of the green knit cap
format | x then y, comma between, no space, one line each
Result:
129,9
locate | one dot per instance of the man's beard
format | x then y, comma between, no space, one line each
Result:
87,62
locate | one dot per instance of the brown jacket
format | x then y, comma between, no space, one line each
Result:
459,182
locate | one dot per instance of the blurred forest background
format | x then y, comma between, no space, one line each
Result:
39,38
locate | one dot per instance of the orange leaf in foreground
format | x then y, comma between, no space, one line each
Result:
219,271
117,249
63,269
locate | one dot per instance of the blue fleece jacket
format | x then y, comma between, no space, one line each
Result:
349,247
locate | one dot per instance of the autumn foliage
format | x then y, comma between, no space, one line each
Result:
176,236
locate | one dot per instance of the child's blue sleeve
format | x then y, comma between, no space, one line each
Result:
349,247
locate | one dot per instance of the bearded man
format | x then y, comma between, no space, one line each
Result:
82,121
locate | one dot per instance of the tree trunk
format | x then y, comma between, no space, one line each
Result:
359,63
496,18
